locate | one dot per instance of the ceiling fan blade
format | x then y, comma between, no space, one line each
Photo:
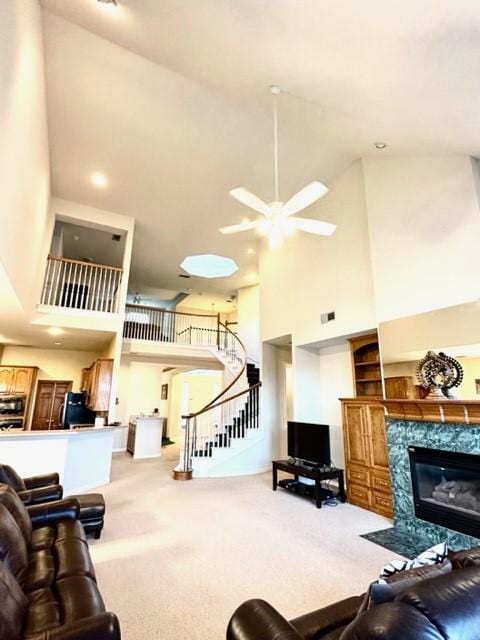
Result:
313,226
304,198
236,228
250,200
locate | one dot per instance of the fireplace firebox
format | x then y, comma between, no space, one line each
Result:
446,488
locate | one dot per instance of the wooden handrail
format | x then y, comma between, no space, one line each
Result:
219,404
89,264
178,313
237,377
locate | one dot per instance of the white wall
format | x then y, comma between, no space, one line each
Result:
424,225
311,275
54,364
335,381
248,318
24,156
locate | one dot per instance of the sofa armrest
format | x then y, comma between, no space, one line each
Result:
104,626
323,621
256,619
34,482
45,514
41,495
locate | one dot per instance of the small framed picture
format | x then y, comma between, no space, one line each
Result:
164,394
477,386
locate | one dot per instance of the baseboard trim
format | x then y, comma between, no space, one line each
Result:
87,487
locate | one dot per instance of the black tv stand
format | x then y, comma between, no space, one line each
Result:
319,474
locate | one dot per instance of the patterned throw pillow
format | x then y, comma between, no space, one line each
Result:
435,555
399,575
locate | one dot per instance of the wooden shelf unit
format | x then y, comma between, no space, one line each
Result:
366,460
366,366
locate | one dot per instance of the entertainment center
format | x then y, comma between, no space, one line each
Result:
318,474
309,451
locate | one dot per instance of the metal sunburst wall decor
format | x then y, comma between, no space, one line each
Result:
440,374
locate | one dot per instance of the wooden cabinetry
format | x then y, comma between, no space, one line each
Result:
367,376
366,461
132,428
19,381
97,382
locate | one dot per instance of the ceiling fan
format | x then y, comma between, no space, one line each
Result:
278,220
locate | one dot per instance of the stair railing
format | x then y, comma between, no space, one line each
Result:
227,416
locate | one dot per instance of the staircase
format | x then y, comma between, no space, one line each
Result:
226,427
229,424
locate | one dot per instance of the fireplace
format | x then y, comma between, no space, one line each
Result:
446,488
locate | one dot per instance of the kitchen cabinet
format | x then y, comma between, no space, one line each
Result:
366,460
97,383
19,381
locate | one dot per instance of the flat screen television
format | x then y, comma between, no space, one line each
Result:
309,442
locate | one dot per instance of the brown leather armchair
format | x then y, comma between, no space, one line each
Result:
446,606
48,585
35,489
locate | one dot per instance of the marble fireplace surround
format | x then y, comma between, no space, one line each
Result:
409,534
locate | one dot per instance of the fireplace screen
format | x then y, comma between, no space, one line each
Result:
446,488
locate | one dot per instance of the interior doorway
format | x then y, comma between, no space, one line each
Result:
49,403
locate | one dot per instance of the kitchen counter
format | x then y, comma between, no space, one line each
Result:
82,457
145,436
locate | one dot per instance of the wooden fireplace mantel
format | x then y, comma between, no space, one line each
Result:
457,411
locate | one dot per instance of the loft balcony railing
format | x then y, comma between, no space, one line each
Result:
74,284
160,325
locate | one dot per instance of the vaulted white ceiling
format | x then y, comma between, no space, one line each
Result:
170,100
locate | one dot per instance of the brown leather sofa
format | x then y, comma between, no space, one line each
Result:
46,488
33,490
48,587
446,607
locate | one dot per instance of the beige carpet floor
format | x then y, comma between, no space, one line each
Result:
176,558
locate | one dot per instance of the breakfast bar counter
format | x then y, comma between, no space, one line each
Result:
82,457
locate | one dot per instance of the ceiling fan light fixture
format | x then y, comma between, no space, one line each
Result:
279,217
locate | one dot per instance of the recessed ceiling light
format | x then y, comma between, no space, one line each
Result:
59,344
209,266
55,331
380,145
99,179
114,2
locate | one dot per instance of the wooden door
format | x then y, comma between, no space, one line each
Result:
356,447
50,396
22,380
375,423
58,403
6,378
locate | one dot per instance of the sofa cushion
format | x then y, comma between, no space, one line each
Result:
13,548
79,597
40,570
12,502
466,558
73,559
9,476
42,538
13,605
43,612
68,529
388,589
450,602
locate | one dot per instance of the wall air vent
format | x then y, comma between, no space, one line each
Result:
327,317
183,275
